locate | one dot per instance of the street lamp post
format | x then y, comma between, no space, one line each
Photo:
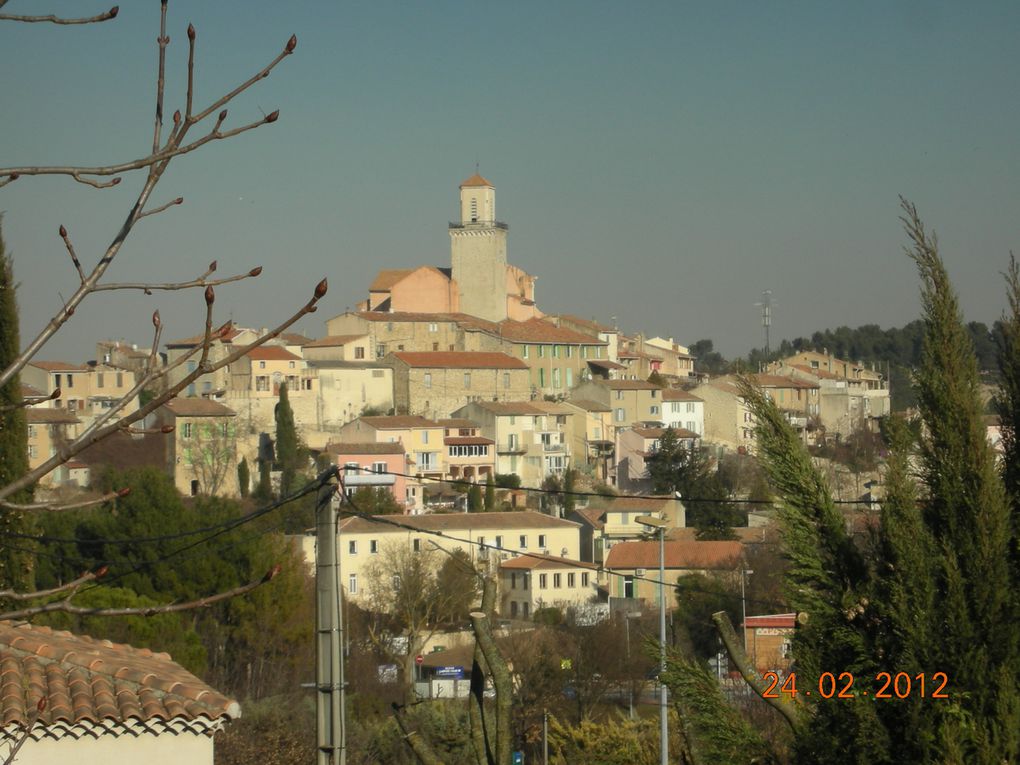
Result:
744,572
659,525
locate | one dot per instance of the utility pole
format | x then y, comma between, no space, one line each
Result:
766,319
331,725
659,525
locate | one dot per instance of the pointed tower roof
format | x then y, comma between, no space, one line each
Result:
475,181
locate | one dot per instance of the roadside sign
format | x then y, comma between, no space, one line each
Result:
455,673
419,660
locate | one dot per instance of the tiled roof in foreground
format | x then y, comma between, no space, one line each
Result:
96,686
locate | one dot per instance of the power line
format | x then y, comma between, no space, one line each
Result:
391,521
609,497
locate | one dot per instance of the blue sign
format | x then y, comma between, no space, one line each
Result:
455,673
518,758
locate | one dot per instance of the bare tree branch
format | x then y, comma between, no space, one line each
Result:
88,576
65,505
162,41
52,19
161,208
149,287
70,251
66,606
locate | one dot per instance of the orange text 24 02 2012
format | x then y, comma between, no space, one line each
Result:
845,686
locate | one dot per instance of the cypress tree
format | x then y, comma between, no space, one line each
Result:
474,499
490,493
288,448
17,568
243,477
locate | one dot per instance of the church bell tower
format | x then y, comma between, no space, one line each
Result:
478,252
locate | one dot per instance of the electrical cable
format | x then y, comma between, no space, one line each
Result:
390,521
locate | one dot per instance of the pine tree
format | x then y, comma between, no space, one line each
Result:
243,477
288,448
16,561
569,481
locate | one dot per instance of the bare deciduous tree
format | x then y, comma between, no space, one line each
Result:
170,141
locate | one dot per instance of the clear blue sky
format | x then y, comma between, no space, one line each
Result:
658,162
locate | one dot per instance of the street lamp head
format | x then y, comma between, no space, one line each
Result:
652,522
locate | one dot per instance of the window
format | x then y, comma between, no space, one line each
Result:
543,581
557,581
571,580
584,351
555,351
379,467
352,547
506,379
306,383
570,351
628,587
351,468
262,383
467,381
31,451
186,430
428,380
359,352
523,542
262,365
31,431
598,351
513,609
56,378
424,436
373,546
120,379
99,379
513,582
499,541
654,409
541,378
416,545
352,584
524,608
435,346
433,327
70,380
380,350
524,352
655,394
570,377
557,383
584,578
541,541
620,414
690,407
619,395
541,351
290,364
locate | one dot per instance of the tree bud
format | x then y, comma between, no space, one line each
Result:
177,116
210,295
155,319
55,394
320,289
255,271
63,233
223,115
103,571
291,44
179,201
273,116
167,429
191,32
115,181
114,11
212,266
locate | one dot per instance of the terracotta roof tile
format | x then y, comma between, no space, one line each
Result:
272,353
333,341
541,331
771,620
58,366
778,381
467,441
679,555
198,407
35,415
475,181
85,681
589,405
459,360
510,407
630,385
521,519
399,422
678,394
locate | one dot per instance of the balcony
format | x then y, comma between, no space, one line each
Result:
481,224
554,447
510,448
